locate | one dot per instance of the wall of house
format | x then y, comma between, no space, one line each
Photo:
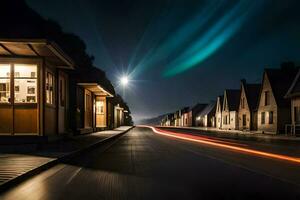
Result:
267,127
218,114
244,110
295,102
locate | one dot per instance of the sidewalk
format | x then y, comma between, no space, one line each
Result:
237,134
16,165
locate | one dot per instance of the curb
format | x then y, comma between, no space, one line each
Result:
8,184
237,136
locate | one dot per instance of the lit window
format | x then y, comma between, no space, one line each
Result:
25,80
4,83
99,107
49,88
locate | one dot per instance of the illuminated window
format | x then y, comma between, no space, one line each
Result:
4,83
49,88
99,107
25,81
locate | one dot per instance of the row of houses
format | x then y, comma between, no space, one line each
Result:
43,93
272,106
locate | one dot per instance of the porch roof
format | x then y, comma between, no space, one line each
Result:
36,48
96,89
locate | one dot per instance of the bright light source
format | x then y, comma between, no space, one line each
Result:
124,80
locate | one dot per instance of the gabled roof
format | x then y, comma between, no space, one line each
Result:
38,48
233,99
220,98
198,108
211,107
281,80
252,92
294,90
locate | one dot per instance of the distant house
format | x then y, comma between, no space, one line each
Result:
230,109
294,95
193,112
274,110
248,106
89,108
219,108
185,116
206,117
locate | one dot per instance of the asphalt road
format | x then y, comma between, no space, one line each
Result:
144,165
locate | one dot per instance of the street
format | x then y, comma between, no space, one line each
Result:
145,165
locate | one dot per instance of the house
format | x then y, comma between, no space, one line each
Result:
185,116
194,111
33,88
219,108
206,118
248,106
293,95
230,109
167,120
89,111
274,110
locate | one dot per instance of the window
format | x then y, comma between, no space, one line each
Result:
243,102
263,118
271,117
267,98
25,81
244,120
297,114
99,107
4,83
49,88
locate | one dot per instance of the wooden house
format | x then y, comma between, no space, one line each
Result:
33,88
248,106
274,110
89,109
219,108
293,95
230,109
206,118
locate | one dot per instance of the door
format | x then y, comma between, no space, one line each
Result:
62,103
244,121
88,112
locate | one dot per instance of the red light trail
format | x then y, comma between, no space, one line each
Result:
222,144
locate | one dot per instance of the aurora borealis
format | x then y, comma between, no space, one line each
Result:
181,52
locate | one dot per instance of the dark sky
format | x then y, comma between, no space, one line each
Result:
177,52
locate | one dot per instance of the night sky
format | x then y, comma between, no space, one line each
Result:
180,52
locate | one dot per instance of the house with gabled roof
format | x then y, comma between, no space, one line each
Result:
248,106
206,118
293,94
274,110
219,108
193,112
230,109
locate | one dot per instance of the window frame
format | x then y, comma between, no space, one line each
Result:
53,103
263,118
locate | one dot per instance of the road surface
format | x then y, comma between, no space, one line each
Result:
145,165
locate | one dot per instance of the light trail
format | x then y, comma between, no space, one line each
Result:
226,146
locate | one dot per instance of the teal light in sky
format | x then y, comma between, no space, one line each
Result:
211,41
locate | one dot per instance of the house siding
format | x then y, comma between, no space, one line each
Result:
272,107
